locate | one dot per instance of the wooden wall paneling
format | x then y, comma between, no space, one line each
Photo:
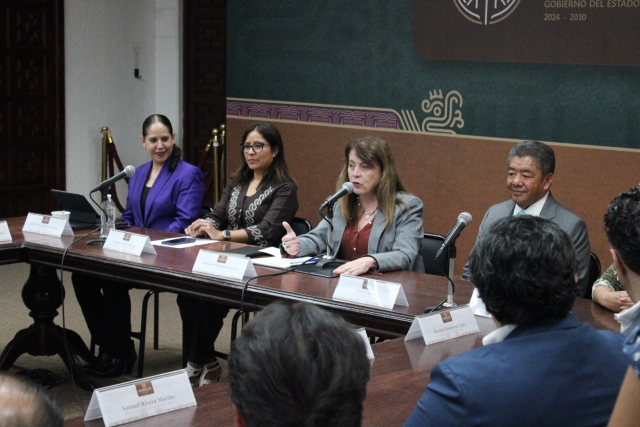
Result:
453,174
31,105
204,76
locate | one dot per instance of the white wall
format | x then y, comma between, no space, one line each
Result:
100,87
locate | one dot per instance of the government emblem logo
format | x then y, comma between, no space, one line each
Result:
486,12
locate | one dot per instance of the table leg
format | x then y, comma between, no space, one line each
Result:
43,294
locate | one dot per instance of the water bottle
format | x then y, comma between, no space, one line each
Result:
110,209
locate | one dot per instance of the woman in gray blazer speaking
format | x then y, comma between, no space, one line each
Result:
376,228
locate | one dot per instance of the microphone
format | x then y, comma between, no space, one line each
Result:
128,171
347,188
464,219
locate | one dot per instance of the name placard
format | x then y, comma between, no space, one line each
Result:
370,292
5,234
477,305
138,399
128,243
363,334
224,265
443,325
47,225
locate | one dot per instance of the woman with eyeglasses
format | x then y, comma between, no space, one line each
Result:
260,197
376,228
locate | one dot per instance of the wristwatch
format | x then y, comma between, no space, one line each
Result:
226,234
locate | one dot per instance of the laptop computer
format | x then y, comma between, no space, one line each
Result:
82,215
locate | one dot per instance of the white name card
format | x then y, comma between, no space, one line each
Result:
5,234
477,305
128,243
47,225
138,399
443,325
224,265
363,334
370,292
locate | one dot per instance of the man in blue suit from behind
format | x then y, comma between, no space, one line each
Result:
541,367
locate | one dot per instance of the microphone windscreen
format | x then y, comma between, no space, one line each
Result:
348,186
130,170
465,217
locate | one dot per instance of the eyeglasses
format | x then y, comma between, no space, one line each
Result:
257,147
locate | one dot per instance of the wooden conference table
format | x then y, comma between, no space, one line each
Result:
170,271
399,375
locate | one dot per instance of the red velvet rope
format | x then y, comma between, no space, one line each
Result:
112,156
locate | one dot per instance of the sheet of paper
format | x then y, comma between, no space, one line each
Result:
272,251
279,262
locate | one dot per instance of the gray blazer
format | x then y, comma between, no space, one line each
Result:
566,220
394,248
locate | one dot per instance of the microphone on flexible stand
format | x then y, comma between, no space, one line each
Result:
104,189
464,219
127,172
347,188
329,260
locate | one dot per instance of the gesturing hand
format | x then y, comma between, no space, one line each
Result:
290,240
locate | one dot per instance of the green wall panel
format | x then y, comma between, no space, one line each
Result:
361,54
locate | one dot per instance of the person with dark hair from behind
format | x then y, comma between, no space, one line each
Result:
622,225
541,366
298,365
24,404
531,167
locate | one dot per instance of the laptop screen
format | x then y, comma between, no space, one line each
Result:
78,205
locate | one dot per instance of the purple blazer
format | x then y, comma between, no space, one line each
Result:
173,202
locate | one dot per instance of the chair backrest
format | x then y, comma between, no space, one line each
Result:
204,210
430,245
300,226
595,269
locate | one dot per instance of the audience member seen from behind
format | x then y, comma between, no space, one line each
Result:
298,365
609,292
531,167
259,198
25,404
376,228
622,225
541,366
164,194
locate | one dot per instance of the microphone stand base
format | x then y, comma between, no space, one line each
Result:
99,241
329,263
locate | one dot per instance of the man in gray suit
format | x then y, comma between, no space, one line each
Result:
531,165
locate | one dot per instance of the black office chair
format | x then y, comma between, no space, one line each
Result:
430,245
595,270
299,226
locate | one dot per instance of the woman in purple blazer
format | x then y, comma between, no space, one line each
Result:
164,194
